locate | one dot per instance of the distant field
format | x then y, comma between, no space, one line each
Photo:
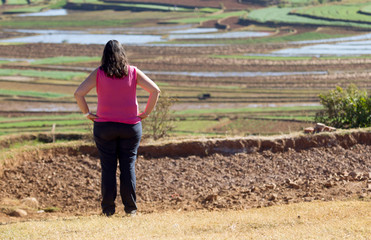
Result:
366,10
335,12
203,18
282,15
42,74
92,19
19,2
268,39
65,59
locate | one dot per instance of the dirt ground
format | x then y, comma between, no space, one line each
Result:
214,182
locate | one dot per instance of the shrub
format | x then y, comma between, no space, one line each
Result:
348,108
159,123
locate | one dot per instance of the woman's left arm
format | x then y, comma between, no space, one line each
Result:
82,90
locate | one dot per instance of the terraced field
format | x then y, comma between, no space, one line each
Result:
248,91
275,15
336,12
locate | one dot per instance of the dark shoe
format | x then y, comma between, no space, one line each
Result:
108,214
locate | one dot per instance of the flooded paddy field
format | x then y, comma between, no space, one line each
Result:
254,78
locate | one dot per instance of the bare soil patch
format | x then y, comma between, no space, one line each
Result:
70,180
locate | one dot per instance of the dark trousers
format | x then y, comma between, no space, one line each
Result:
118,141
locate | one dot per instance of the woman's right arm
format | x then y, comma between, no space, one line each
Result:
82,90
154,92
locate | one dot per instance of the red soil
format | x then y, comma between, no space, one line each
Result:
216,174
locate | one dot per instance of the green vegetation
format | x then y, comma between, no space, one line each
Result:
245,110
159,123
64,60
203,18
19,2
31,94
283,15
57,23
43,74
350,108
268,39
335,12
186,122
32,9
366,10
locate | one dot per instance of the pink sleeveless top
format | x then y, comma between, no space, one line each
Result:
117,98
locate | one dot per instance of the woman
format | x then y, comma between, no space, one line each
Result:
117,124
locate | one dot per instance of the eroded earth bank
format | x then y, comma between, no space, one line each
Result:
230,174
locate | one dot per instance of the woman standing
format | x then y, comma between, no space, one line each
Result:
117,124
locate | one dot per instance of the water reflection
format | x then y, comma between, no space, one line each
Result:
355,48
342,39
51,12
228,35
86,37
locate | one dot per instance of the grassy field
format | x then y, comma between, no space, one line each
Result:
19,2
203,18
366,9
65,60
336,12
92,19
217,122
316,220
268,39
43,74
283,15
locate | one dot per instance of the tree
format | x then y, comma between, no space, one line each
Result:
348,108
159,122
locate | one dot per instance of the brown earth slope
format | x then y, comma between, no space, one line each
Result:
70,178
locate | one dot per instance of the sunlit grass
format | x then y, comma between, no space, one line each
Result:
64,60
42,74
315,220
7,92
247,110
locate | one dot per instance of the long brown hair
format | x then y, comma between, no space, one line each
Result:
114,62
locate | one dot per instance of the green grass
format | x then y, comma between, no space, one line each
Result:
268,39
366,9
57,23
18,145
203,18
19,2
65,59
7,92
335,12
63,75
194,125
32,9
46,123
282,15
244,110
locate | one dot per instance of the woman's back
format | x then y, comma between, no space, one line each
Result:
117,101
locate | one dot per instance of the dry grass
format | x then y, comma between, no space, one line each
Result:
316,220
